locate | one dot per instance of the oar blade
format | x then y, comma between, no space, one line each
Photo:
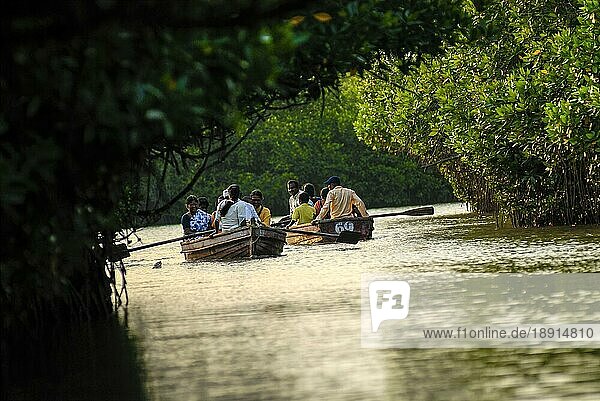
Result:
349,237
421,211
418,211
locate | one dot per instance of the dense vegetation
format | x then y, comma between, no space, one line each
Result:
96,95
309,144
513,117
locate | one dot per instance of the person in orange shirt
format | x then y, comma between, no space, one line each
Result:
321,201
263,212
340,201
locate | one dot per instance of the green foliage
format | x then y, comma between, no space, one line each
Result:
98,95
516,111
309,144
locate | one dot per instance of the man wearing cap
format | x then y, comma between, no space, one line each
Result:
340,200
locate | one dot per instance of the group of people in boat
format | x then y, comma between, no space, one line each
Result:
234,211
335,202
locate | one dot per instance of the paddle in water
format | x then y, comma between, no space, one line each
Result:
346,237
419,211
349,237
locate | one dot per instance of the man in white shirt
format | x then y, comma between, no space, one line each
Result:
293,188
234,212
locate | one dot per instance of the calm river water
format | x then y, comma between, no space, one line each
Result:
289,328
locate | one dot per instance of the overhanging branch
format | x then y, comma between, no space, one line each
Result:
205,165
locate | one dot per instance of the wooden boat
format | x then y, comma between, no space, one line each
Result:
364,225
239,243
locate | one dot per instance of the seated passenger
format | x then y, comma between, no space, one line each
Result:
195,220
203,205
294,190
232,213
304,213
251,215
213,215
310,190
263,212
321,201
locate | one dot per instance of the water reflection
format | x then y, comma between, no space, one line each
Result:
289,327
491,374
98,361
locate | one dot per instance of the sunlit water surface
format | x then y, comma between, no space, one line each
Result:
289,327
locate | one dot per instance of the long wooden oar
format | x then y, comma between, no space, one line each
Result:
346,237
168,241
120,251
419,211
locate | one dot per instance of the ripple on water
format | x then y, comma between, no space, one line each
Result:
289,327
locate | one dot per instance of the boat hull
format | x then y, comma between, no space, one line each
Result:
239,243
364,225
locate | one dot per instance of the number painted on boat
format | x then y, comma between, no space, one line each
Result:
344,226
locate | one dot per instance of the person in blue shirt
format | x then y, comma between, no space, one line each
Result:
251,214
196,219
